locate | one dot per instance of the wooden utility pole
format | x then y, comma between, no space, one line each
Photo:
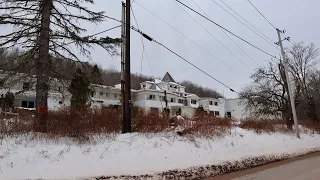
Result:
286,71
123,48
127,98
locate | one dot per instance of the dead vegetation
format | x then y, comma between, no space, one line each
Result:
82,125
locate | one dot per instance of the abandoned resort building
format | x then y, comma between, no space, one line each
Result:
150,97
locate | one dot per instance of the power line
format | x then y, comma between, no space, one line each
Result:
173,52
246,20
261,35
214,37
188,38
225,29
98,33
143,46
151,39
267,40
261,14
228,36
143,49
105,31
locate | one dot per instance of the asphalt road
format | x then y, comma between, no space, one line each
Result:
301,168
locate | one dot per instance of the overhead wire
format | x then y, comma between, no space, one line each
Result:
173,52
175,29
225,29
213,36
145,53
229,37
261,14
143,48
246,20
98,33
265,39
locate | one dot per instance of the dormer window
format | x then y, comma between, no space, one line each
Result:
26,86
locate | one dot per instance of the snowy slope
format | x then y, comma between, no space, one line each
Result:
135,154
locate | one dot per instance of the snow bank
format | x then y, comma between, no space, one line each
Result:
137,154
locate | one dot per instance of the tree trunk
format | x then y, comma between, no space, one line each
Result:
42,67
287,117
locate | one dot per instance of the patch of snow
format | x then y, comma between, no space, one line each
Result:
137,154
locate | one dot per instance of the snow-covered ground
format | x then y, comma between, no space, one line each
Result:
136,154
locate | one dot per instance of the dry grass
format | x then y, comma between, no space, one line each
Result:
85,124
107,121
210,126
311,125
259,126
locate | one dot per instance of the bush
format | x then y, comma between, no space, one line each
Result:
263,125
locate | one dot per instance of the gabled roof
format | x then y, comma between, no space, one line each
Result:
154,86
167,78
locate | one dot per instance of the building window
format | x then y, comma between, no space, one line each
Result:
59,89
193,101
26,86
101,93
162,98
107,94
171,86
152,97
60,102
31,104
115,95
181,101
27,104
211,103
216,103
216,113
154,110
92,93
228,114
99,101
24,104
172,100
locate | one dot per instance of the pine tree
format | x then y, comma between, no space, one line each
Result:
47,28
96,75
79,89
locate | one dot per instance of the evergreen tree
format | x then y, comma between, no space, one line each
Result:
79,89
96,75
47,28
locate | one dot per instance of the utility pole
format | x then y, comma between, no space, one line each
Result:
286,71
127,98
123,48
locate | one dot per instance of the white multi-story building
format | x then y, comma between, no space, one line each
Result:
151,96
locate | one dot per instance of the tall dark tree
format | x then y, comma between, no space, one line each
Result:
302,61
79,89
96,75
268,95
49,27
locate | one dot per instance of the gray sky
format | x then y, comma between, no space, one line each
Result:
298,17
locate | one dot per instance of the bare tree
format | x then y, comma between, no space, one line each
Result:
314,88
46,28
268,96
302,61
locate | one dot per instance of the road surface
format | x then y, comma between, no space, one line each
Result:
301,168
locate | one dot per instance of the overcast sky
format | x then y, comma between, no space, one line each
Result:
299,19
